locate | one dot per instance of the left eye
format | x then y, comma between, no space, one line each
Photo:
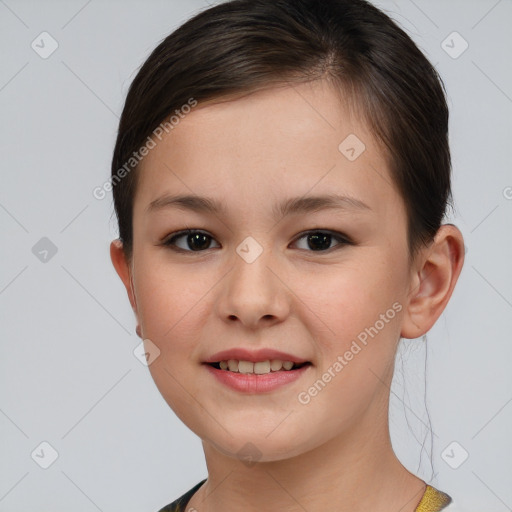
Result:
198,241
321,240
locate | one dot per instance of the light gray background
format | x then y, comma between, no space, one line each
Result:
68,373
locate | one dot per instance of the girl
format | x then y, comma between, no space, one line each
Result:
280,178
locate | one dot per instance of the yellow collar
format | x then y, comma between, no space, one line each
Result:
433,500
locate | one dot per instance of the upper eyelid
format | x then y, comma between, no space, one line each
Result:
336,234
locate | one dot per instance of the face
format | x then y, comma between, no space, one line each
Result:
322,281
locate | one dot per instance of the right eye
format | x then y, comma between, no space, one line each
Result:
193,240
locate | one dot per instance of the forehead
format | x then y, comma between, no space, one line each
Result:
274,142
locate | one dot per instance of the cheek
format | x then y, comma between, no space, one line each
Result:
348,298
355,319
361,305
172,308
170,301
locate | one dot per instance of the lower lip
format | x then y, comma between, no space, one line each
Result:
252,383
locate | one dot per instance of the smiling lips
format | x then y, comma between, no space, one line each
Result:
252,383
256,371
259,362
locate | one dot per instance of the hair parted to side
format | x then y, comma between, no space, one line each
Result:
240,46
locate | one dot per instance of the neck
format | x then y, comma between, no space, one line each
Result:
355,471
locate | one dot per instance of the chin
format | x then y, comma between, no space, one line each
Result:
255,448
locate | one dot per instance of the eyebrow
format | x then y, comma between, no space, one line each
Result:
294,205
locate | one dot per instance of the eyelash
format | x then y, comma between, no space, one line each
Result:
339,237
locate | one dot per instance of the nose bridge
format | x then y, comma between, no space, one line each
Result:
251,292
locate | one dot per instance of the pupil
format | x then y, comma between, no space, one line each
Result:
196,237
324,240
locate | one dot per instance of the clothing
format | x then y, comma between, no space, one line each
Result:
180,505
432,501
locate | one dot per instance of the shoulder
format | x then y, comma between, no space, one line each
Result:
180,504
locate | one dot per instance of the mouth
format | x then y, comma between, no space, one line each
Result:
257,377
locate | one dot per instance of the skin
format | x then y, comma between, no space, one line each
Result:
250,153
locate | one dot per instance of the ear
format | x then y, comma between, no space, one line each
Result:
436,271
124,271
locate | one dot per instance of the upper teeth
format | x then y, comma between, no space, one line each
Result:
259,368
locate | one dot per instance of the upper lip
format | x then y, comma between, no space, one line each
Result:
263,354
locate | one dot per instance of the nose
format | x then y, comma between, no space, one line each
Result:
254,293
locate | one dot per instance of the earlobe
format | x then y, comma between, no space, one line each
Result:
433,281
121,264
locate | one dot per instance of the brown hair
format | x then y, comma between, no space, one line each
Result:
245,45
